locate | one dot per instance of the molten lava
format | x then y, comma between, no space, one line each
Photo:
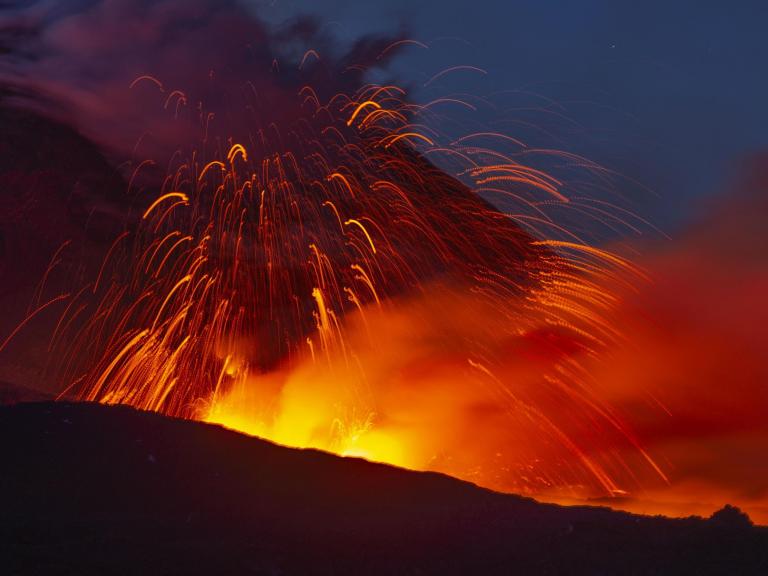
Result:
310,257
326,285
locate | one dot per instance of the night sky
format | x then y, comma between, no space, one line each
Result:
670,94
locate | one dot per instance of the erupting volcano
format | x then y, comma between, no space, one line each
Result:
265,231
324,284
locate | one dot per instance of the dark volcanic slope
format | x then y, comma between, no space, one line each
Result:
89,489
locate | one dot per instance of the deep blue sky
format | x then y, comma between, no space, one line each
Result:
673,94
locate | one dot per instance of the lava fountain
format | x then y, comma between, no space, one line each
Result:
316,263
326,285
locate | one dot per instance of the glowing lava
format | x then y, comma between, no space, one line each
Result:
316,260
316,263
332,288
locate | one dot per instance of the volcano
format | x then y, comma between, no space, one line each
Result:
205,224
94,489
244,247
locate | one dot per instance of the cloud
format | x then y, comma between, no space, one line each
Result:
209,68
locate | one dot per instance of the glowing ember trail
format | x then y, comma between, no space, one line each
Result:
323,284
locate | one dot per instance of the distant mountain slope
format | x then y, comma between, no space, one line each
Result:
90,489
12,394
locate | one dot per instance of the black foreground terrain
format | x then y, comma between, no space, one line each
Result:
89,489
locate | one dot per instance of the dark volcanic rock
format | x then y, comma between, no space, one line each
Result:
90,489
